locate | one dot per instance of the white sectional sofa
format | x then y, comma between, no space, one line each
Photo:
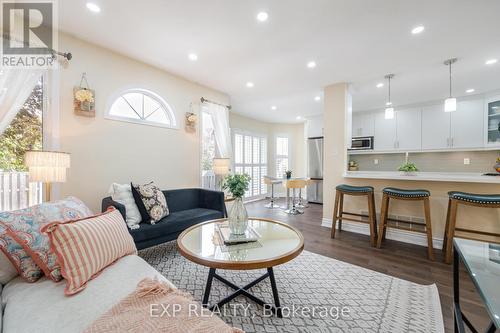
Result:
42,306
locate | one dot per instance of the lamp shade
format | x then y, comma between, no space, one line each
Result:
47,166
221,166
389,113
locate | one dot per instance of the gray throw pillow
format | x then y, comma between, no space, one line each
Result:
154,201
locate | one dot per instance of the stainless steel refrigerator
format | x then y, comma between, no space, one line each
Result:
315,169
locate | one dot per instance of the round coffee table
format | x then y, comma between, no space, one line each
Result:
278,243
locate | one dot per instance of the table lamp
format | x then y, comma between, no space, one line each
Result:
220,166
47,167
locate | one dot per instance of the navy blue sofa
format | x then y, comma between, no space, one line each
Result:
187,207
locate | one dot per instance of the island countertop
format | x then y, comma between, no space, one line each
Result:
464,177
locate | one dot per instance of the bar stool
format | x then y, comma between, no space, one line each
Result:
338,210
466,199
294,184
301,202
411,195
272,182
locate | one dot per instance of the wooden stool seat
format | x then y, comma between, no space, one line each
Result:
405,194
338,210
467,199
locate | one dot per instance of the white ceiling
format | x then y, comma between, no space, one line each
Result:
357,41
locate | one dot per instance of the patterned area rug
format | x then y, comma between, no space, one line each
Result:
319,294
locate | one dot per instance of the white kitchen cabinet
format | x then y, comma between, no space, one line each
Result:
492,121
409,129
362,124
315,126
385,132
467,124
435,127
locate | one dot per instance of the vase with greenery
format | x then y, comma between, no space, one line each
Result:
237,185
408,168
288,174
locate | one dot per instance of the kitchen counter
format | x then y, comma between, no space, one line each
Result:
464,177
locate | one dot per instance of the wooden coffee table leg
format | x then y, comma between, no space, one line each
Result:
206,295
275,292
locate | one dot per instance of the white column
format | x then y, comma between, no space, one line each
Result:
337,128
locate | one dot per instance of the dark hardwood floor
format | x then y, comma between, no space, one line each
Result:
405,261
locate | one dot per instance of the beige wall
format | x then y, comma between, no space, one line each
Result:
105,151
336,123
295,133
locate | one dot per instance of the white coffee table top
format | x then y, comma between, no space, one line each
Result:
278,244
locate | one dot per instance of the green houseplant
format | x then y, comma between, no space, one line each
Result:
408,168
237,185
288,174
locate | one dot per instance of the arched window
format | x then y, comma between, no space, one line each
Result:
142,106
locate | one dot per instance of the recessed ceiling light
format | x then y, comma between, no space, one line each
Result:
311,64
93,7
491,61
317,98
262,16
193,56
298,118
274,107
470,91
250,84
417,29
379,85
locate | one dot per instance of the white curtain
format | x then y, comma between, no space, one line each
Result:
220,119
15,87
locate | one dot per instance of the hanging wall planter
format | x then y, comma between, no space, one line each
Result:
84,98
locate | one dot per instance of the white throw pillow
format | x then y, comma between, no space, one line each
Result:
7,270
123,194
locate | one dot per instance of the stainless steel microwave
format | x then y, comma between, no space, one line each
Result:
362,143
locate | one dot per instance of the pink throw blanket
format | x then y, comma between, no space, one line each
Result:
154,307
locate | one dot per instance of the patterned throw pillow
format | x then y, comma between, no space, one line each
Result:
154,201
26,246
85,247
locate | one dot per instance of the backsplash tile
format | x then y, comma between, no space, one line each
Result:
480,161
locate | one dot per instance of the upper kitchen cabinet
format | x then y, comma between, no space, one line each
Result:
493,121
435,127
409,129
363,124
467,124
385,132
314,126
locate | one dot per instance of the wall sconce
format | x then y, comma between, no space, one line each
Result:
191,120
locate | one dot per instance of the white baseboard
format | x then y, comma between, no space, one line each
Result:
404,236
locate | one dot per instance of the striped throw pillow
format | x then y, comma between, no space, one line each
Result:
85,247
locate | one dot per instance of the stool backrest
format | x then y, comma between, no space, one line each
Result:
296,183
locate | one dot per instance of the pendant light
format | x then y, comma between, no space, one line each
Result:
389,110
450,104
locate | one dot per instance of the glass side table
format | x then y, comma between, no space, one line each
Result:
482,261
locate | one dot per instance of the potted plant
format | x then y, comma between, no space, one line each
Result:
353,165
237,185
408,168
288,174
